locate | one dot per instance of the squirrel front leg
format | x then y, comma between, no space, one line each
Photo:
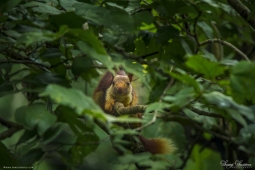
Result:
109,105
109,101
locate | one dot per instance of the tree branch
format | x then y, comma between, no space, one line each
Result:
131,110
200,112
227,44
243,11
12,128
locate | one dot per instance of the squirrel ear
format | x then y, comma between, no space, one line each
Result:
130,76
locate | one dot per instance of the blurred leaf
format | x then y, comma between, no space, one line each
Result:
185,78
247,136
233,109
204,66
43,79
85,144
31,157
166,33
35,116
67,4
122,3
52,133
97,14
43,8
142,17
6,5
7,159
120,19
67,115
80,65
27,135
180,99
242,82
206,121
203,158
41,36
206,28
88,50
70,19
70,97
156,106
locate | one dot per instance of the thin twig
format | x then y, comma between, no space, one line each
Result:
204,113
23,62
195,24
227,44
154,118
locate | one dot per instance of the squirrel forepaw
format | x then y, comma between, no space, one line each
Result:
109,106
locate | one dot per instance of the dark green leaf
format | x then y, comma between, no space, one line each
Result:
35,116
204,66
27,135
52,133
70,97
70,19
43,8
242,82
31,157
6,5
166,33
230,106
7,158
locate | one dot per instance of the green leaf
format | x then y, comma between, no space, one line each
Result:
156,106
242,82
185,78
6,5
122,3
67,115
166,33
52,133
26,136
43,8
91,52
206,28
85,144
7,159
203,158
80,65
70,97
233,109
35,116
29,38
204,66
120,19
97,14
67,4
182,98
31,157
70,19
142,17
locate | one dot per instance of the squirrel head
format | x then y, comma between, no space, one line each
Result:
121,85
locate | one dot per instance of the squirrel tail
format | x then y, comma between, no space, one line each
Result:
158,145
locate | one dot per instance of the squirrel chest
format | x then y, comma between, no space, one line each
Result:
119,91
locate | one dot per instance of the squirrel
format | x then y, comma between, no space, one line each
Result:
118,88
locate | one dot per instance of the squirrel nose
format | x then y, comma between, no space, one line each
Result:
119,90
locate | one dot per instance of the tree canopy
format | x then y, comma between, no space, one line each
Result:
193,67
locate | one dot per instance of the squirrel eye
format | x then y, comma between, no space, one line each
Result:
128,83
113,83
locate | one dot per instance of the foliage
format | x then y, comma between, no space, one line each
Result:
193,58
